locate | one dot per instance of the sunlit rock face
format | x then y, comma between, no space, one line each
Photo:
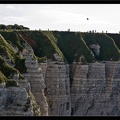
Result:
95,89
58,89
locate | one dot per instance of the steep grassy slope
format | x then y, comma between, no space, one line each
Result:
69,45
7,50
7,71
13,37
53,41
108,49
43,43
116,38
2,77
73,46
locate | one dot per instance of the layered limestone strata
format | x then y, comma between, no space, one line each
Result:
58,89
63,90
35,77
96,89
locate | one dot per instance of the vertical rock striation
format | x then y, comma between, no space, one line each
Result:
35,77
58,89
95,89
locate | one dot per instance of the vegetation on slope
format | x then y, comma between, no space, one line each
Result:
2,77
108,49
13,27
54,43
44,42
6,49
116,38
14,38
73,46
7,71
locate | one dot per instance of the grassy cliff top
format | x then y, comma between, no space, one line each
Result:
70,46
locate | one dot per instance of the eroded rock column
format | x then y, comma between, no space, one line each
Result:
58,89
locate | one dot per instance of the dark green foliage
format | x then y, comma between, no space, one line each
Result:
13,27
7,70
3,27
6,49
73,46
14,37
116,38
44,46
108,48
53,41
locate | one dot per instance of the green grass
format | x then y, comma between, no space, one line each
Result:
73,46
6,49
53,41
44,46
108,48
14,37
9,52
116,38
69,45
7,70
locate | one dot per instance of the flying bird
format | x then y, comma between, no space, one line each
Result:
87,18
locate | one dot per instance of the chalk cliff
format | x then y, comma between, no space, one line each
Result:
63,74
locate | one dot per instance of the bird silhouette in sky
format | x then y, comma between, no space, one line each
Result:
87,18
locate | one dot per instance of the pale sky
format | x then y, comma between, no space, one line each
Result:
63,16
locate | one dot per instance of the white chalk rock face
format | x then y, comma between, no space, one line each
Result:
15,101
96,89
58,89
35,77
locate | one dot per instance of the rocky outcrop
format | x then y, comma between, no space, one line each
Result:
96,48
17,101
95,89
58,89
35,77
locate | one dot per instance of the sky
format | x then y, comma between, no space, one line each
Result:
61,17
